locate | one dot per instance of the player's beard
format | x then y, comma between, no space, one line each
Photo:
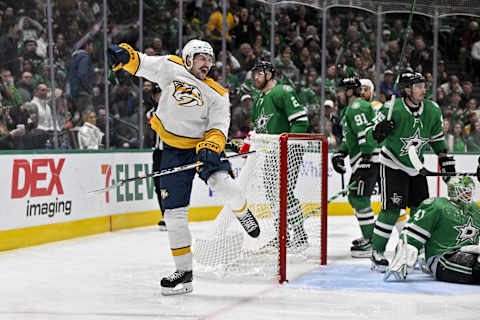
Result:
260,85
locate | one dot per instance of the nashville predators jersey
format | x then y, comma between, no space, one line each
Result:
189,109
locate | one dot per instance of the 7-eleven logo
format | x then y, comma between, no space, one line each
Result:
107,171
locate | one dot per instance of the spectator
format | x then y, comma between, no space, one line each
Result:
124,100
241,116
40,100
8,47
25,86
473,140
29,28
387,84
215,27
30,53
467,93
245,56
7,135
81,78
157,45
242,32
470,36
89,135
453,85
8,90
442,75
455,142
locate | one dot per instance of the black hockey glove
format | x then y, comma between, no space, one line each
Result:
117,56
383,129
338,162
206,153
447,164
365,161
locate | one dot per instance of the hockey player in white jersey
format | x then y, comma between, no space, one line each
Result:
192,120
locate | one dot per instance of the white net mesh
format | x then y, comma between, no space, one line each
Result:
229,252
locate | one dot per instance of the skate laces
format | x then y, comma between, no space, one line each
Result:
248,222
176,275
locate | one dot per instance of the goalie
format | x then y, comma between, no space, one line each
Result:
449,230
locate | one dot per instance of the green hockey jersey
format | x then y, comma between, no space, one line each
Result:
278,111
440,225
356,119
423,128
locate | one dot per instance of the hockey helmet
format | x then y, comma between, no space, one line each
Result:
264,66
351,83
192,48
407,79
368,83
460,189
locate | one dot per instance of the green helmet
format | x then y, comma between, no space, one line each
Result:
460,189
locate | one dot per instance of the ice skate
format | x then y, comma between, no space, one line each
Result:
179,282
250,224
379,262
361,248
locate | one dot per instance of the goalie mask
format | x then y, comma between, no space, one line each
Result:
192,48
460,190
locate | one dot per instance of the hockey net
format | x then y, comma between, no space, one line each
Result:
286,186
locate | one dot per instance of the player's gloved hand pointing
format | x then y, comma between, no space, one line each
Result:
383,129
117,56
338,162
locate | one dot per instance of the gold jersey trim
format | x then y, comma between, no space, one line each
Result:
172,139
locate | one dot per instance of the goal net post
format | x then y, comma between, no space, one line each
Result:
285,182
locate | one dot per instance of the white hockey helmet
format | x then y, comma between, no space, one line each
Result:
192,48
368,83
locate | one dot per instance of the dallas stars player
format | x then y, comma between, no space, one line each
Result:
356,119
415,121
449,231
276,110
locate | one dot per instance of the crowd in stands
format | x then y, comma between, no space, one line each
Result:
27,120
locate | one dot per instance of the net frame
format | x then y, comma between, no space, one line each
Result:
282,230
288,166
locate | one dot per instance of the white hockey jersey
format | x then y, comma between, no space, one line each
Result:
190,110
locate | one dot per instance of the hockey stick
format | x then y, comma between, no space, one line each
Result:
402,56
420,167
164,172
342,192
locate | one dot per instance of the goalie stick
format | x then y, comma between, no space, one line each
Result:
419,166
163,172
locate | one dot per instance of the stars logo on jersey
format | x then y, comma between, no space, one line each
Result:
396,199
187,95
416,140
467,232
262,121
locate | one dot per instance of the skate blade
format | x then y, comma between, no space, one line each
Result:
378,268
361,254
179,289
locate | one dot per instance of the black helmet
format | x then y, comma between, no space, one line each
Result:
264,66
351,83
407,79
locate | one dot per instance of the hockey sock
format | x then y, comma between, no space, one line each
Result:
364,214
383,228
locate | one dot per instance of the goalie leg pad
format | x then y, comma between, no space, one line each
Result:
404,260
458,267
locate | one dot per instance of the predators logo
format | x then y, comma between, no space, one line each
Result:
187,95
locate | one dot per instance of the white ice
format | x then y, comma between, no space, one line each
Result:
116,276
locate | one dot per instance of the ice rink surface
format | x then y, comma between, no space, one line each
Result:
116,276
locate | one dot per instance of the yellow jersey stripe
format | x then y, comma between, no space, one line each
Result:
176,59
241,210
172,139
180,251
